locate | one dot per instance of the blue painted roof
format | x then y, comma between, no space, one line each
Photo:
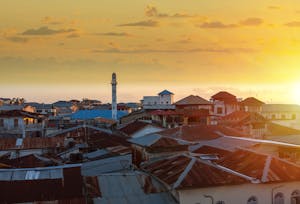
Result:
165,92
91,114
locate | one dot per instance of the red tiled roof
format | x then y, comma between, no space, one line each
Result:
193,100
225,96
183,172
261,166
251,101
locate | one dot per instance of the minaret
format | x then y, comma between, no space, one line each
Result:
114,96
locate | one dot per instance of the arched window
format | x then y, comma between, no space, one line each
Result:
252,200
279,198
295,197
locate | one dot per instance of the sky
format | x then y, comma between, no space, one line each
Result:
63,49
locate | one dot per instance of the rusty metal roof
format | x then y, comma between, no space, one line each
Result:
132,187
183,171
264,167
31,143
41,184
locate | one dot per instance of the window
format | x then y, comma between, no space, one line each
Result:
294,117
1,123
283,117
295,197
273,116
220,202
252,200
279,198
16,123
219,110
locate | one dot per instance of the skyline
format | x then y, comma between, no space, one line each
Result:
52,50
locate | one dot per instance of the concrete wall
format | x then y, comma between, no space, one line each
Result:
151,100
166,99
239,194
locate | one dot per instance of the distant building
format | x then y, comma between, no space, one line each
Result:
249,123
252,104
283,114
65,107
224,103
20,123
194,103
42,108
24,107
5,101
163,100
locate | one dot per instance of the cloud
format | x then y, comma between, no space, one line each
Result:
46,31
121,34
152,11
73,35
217,24
17,39
293,24
144,51
274,7
220,25
148,23
52,21
252,22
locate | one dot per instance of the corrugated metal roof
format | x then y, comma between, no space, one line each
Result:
95,154
184,171
146,140
31,143
264,167
91,114
129,188
112,164
19,174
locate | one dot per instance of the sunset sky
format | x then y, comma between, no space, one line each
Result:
63,49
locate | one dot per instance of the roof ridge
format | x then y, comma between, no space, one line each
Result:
184,173
264,177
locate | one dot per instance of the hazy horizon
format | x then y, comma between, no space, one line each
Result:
53,50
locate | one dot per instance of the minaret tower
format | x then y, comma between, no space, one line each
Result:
114,96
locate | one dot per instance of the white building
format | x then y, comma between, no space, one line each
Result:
163,100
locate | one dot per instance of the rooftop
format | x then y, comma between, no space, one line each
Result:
184,171
264,167
251,101
91,114
165,92
193,100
